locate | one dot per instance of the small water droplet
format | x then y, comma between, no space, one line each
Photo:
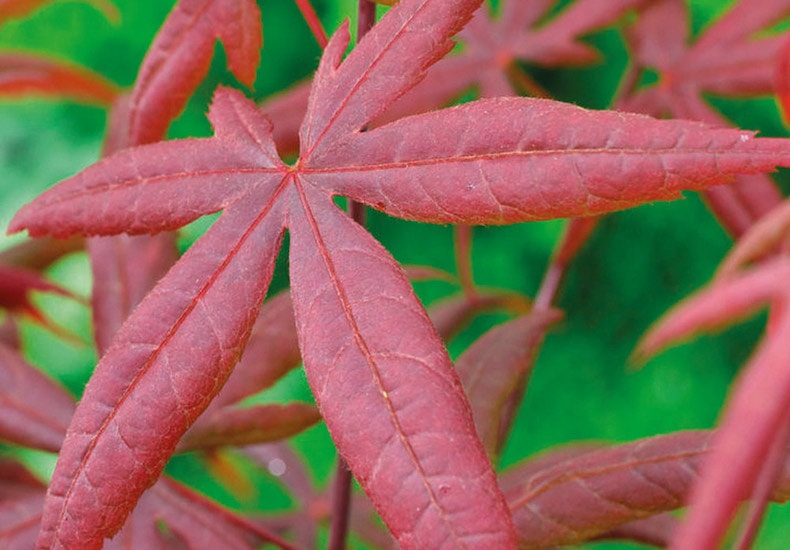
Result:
276,467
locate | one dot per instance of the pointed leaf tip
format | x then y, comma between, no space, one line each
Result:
180,56
386,387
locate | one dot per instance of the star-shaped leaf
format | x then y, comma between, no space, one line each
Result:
380,374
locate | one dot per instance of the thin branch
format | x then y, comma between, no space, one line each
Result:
462,237
341,506
313,22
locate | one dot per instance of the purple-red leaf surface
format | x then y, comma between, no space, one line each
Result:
250,425
160,376
574,499
508,160
34,411
271,352
733,57
21,498
381,376
390,398
490,369
491,47
180,56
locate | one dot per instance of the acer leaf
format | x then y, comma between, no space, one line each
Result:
579,162
34,411
12,9
247,426
346,97
23,74
768,236
730,58
147,376
757,408
379,371
271,352
582,497
453,314
21,498
191,519
180,56
490,369
429,432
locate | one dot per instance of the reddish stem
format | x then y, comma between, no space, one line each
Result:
462,236
341,506
341,492
576,233
313,22
525,83
366,18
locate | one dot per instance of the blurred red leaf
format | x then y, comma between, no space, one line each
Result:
23,74
491,368
250,425
453,314
585,496
769,235
16,284
12,9
758,405
34,411
733,57
21,500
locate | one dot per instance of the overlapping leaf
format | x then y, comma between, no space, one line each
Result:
572,499
180,55
769,236
379,371
34,412
731,58
21,499
491,47
190,519
12,9
758,407
490,370
16,284
23,74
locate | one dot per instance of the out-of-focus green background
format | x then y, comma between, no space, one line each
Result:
637,265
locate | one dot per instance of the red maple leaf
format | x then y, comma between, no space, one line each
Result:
380,374
734,57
